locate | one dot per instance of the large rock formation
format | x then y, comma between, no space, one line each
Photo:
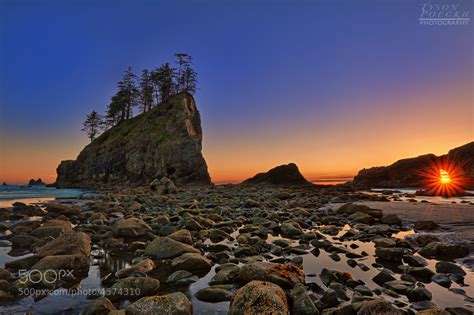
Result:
408,172
165,141
283,175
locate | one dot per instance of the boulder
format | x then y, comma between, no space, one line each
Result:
182,277
225,275
74,243
192,262
259,297
377,306
391,219
166,248
143,266
183,236
425,225
163,186
351,208
101,306
62,262
214,294
390,253
283,275
444,250
132,287
175,303
301,301
52,228
131,227
449,267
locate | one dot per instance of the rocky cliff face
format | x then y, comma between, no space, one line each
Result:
406,172
165,141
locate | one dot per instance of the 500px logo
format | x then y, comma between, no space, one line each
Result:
49,276
440,14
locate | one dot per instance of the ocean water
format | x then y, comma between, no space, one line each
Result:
30,194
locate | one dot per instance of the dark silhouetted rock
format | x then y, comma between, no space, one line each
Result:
407,172
163,142
37,182
283,175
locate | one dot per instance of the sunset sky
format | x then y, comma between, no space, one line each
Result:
334,86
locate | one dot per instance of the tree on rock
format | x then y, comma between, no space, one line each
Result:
146,91
128,92
186,76
93,125
162,78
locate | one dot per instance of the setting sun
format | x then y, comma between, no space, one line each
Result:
444,177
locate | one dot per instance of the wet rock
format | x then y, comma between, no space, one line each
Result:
425,225
131,227
163,186
183,236
290,230
217,236
419,294
23,241
62,262
362,289
52,228
143,266
166,248
301,301
214,294
390,254
441,279
420,273
226,274
449,267
101,306
133,287
259,297
391,219
351,208
414,261
384,242
401,287
383,276
458,311
423,305
444,250
329,299
360,217
74,243
282,275
22,263
182,277
175,303
192,262
376,306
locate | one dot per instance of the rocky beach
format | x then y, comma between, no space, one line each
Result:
236,249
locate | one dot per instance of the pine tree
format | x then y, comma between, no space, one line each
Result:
93,125
116,110
163,80
128,91
186,76
146,91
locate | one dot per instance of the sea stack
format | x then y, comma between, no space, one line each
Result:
166,141
283,175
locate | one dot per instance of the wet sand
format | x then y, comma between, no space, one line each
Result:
456,219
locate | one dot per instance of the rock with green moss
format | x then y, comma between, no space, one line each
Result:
163,142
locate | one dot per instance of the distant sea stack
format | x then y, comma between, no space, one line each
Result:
283,175
37,182
162,142
406,172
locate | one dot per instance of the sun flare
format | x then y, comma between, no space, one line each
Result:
444,177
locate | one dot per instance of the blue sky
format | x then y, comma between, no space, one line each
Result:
270,73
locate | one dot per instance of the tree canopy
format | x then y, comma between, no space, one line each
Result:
152,88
